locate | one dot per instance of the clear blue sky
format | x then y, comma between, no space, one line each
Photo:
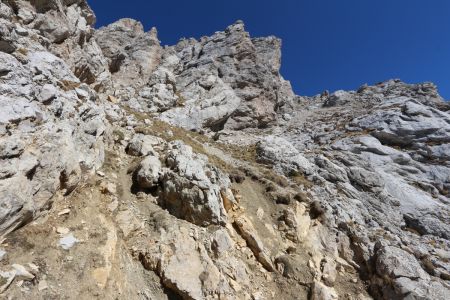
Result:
327,44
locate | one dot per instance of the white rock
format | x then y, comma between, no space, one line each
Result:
221,242
47,93
68,241
3,254
149,172
43,285
322,292
22,273
279,152
64,212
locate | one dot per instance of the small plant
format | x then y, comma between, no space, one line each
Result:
181,101
23,51
300,179
68,85
118,135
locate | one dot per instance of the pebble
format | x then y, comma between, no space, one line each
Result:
260,213
64,212
62,230
22,273
2,254
33,267
113,205
42,285
68,241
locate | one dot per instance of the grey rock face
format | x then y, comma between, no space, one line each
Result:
381,162
48,134
279,152
394,262
406,275
228,80
132,54
365,179
247,66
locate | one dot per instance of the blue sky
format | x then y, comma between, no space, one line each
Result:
327,44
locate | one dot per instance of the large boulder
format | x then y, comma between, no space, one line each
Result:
149,172
393,262
338,98
141,145
403,275
278,152
192,189
182,262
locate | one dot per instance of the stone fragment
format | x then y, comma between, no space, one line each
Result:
3,254
109,188
322,292
68,241
62,230
329,272
64,212
47,93
127,222
149,172
221,242
43,285
142,145
21,273
249,234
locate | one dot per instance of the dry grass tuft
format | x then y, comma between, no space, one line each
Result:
67,85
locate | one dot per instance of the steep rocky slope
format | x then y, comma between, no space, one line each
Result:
129,170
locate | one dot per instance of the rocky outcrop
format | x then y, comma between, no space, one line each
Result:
185,266
283,155
187,185
132,54
404,276
230,80
378,167
51,125
64,28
